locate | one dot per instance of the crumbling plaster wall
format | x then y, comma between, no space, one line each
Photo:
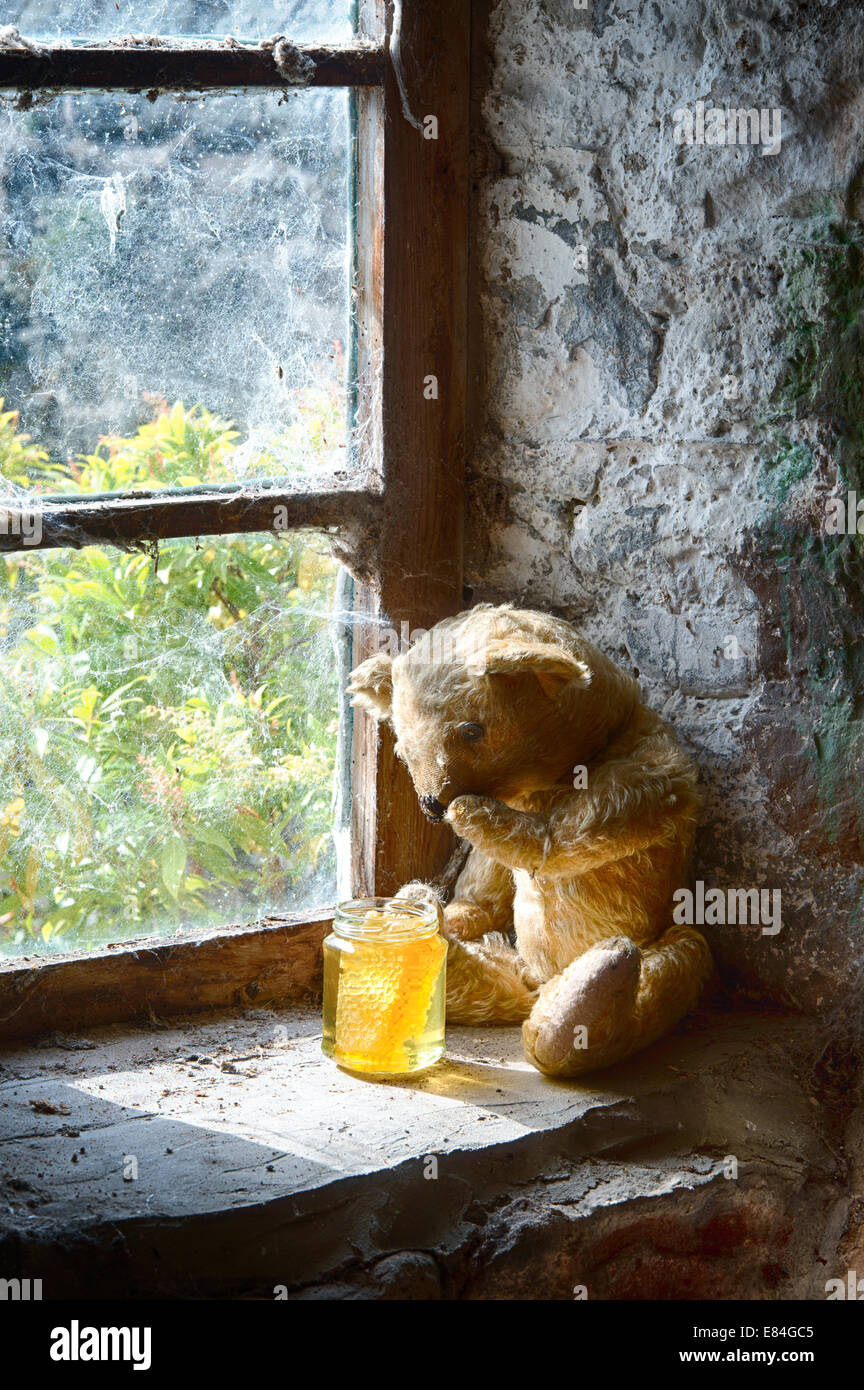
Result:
632,300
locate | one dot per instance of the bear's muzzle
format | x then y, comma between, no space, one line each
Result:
431,807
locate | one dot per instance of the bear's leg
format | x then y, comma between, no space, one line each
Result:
614,1000
487,983
482,899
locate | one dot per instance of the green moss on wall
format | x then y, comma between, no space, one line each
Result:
817,579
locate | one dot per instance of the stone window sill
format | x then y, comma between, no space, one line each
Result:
230,1159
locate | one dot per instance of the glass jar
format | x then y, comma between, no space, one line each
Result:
384,987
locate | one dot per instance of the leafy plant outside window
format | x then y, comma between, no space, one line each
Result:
169,721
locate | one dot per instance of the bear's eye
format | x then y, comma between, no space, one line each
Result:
470,733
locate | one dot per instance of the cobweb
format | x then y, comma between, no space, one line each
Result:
301,20
168,738
165,251
174,311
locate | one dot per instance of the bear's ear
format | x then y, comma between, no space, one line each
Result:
370,685
553,666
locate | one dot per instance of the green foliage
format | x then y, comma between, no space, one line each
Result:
822,349
167,736
20,461
819,576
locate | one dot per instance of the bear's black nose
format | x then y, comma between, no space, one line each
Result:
432,807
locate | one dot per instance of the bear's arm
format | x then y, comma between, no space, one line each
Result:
626,807
482,899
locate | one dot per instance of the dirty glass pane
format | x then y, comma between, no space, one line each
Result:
189,254
301,20
167,739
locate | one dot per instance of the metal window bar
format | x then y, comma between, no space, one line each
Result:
172,65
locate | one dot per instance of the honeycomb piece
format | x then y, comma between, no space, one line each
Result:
385,994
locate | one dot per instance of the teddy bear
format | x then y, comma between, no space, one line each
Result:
580,808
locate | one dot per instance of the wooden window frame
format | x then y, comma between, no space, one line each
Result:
400,535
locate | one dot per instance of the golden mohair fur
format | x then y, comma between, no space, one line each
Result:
584,874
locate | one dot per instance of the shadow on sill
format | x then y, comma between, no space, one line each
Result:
228,1158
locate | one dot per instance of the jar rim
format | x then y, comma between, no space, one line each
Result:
349,918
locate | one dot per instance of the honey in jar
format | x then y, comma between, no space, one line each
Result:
384,987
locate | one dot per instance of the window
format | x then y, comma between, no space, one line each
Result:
234,296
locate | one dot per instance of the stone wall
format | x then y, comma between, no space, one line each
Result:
665,351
